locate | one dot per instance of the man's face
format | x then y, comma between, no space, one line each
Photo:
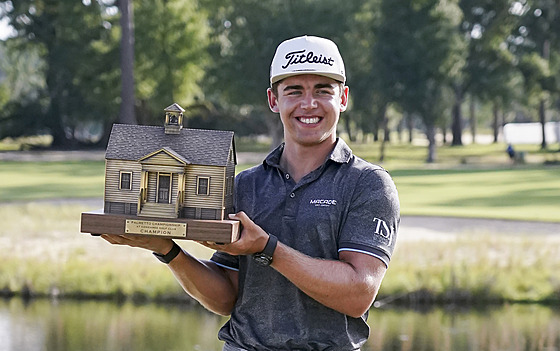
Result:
309,107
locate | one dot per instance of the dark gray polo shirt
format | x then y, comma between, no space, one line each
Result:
345,204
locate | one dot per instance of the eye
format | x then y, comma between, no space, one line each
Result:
324,92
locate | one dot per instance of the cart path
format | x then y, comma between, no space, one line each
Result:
411,228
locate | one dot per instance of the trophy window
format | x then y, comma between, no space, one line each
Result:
203,186
125,182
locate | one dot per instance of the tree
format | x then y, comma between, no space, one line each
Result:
535,40
413,57
171,39
127,114
78,76
245,36
490,67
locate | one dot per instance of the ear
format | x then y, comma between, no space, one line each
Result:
344,99
272,101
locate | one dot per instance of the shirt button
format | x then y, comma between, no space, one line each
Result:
287,176
292,195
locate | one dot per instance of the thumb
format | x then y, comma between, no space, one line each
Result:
240,216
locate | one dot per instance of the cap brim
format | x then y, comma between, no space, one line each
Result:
337,77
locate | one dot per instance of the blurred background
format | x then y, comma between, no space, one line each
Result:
69,69
458,99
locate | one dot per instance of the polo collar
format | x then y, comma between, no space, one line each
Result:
340,154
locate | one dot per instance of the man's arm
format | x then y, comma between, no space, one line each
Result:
348,285
213,286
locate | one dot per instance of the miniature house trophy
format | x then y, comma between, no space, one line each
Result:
167,181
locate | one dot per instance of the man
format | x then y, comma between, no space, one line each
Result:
319,224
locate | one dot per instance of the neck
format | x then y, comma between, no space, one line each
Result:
299,160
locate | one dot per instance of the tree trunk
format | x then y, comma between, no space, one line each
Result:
457,124
56,112
472,117
542,103
348,128
384,123
386,130
275,130
127,114
54,122
496,124
542,118
431,135
400,128
410,126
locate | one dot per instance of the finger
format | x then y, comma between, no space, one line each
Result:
242,217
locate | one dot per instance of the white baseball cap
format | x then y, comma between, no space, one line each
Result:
307,55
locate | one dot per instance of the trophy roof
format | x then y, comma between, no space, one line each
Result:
174,108
197,146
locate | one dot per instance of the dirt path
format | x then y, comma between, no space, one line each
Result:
421,228
412,227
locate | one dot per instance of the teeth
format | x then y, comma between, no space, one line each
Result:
309,120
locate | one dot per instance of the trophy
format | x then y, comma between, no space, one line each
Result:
167,181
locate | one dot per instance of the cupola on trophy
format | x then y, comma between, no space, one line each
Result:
167,181
173,119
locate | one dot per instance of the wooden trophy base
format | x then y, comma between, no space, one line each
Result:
219,231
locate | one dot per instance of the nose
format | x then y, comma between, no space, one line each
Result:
308,101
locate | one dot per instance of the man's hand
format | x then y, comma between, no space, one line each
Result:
155,244
253,238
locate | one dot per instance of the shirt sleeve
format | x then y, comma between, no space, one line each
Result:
373,217
225,260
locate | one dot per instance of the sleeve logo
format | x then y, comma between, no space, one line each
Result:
383,230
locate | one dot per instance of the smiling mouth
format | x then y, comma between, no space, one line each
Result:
309,120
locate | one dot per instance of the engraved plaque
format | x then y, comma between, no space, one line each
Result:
170,229
221,231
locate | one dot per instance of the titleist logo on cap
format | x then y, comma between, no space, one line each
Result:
300,56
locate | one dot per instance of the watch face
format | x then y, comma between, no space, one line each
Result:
263,260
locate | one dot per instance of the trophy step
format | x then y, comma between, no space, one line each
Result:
219,231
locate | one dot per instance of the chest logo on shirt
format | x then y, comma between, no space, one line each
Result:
383,230
323,203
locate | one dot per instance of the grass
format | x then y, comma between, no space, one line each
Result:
44,253
24,181
476,267
519,193
473,181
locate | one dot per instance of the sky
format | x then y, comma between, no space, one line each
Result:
5,29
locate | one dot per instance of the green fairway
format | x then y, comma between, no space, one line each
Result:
518,194
473,181
24,181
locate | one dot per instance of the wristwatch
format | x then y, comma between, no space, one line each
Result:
167,258
264,258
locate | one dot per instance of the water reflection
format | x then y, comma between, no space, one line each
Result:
93,325
504,328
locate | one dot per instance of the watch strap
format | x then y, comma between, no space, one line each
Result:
270,245
168,257
264,258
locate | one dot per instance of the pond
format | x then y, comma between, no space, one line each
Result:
94,325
